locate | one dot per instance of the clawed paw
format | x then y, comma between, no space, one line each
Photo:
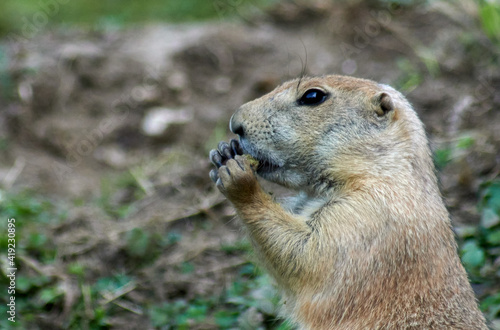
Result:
224,152
234,173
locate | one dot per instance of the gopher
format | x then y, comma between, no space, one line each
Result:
367,242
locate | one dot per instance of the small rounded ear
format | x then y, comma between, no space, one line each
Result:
383,104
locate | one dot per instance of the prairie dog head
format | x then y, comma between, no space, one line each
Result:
318,133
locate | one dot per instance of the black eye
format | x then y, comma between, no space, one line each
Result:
312,97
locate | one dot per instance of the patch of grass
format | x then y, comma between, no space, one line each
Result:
26,18
138,242
480,249
410,77
92,310
453,150
143,246
429,59
41,286
489,16
465,142
250,302
34,290
117,193
442,157
179,314
30,213
240,246
7,87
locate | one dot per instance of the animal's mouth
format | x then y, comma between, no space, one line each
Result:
267,166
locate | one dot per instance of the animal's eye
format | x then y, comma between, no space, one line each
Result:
312,97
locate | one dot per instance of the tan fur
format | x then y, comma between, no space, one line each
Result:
367,243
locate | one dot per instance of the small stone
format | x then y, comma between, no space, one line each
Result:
177,81
112,156
157,120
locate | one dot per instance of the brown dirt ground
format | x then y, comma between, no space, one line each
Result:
82,96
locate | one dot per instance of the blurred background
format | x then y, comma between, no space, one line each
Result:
108,110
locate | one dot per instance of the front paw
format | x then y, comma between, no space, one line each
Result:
224,152
234,174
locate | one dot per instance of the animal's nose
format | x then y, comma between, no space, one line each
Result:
236,126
